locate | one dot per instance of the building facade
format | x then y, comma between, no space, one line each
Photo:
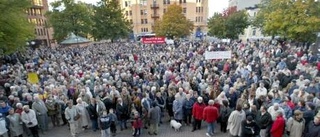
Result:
243,4
144,13
251,32
36,15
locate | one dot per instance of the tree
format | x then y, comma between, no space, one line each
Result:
173,23
68,16
293,19
109,21
228,24
15,29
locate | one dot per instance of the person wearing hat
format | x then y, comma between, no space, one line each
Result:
295,124
313,128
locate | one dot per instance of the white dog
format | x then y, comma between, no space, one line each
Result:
175,125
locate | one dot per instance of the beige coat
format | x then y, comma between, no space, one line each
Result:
234,122
295,128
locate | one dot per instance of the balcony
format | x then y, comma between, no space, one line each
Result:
154,6
155,16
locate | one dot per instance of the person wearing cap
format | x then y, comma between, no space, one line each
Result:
295,124
278,125
313,128
210,115
197,113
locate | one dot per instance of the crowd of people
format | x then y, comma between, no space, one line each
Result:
267,89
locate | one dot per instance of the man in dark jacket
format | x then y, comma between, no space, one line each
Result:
313,128
105,122
93,114
248,127
264,121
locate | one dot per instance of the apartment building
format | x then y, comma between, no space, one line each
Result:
36,15
144,13
243,4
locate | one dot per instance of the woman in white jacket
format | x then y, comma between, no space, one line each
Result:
28,116
234,121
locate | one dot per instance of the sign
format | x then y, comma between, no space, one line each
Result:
154,40
218,55
33,78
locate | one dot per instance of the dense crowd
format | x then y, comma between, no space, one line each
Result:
267,89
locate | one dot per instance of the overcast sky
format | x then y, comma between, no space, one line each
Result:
214,5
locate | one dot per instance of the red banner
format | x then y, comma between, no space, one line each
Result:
154,40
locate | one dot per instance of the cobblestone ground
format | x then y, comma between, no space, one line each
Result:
164,131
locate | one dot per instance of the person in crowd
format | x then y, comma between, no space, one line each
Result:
309,113
146,105
169,105
295,124
4,109
73,115
313,128
53,110
224,114
114,120
197,113
29,117
187,109
154,116
278,125
161,103
41,112
210,115
264,121
84,119
177,108
234,121
273,110
3,126
137,125
122,112
105,123
15,124
248,127
93,114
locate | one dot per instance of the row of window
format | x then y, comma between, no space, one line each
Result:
40,32
129,13
199,19
144,30
199,9
37,2
144,21
34,12
38,22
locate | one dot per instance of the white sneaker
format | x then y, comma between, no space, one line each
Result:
208,134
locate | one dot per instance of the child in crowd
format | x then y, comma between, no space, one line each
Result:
113,126
136,124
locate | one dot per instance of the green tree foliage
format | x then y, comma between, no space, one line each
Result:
173,23
15,29
68,16
228,24
294,19
109,21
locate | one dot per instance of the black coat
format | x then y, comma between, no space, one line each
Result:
264,121
248,129
122,111
93,114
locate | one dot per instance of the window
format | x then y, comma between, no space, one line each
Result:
141,12
130,12
142,30
127,13
184,10
201,9
146,21
145,12
201,19
142,21
184,1
38,32
180,1
143,2
164,10
41,32
196,19
37,2
197,10
44,32
126,4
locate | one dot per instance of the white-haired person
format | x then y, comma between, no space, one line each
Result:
28,116
41,112
274,109
15,124
84,119
73,115
197,113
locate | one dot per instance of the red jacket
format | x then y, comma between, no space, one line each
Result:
197,110
210,114
278,126
137,123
